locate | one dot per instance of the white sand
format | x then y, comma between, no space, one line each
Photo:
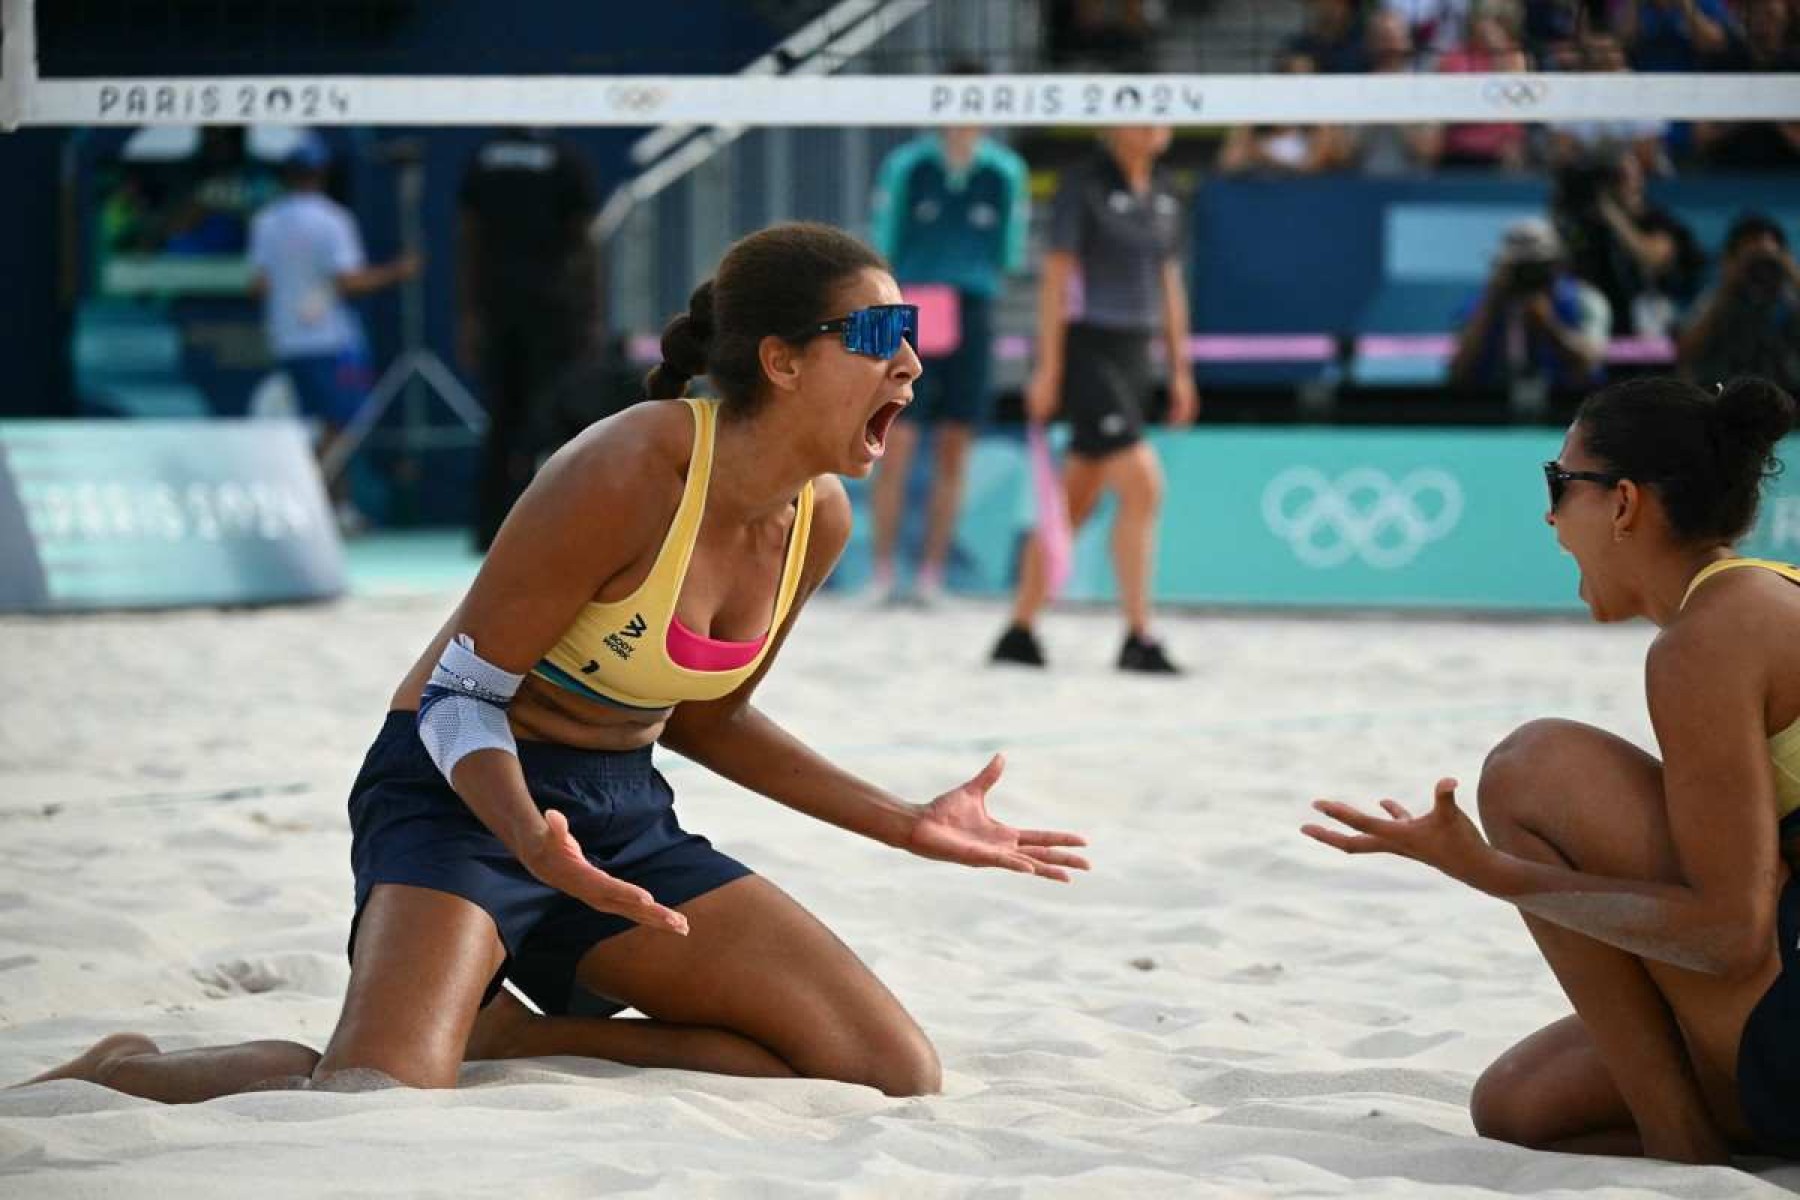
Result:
1221,1008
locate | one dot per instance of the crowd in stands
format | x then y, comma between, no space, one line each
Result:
1517,36
1607,263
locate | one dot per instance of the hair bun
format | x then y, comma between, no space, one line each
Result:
686,345
1754,410
700,312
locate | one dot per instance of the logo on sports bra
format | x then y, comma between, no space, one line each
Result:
616,642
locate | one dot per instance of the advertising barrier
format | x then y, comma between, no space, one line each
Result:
1320,517
151,514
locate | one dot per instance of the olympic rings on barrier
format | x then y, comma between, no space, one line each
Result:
1515,93
1363,513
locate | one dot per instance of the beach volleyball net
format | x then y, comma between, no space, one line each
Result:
788,114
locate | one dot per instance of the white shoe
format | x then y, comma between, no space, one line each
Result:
350,519
928,588
879,592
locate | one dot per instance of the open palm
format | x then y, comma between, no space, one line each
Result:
956,827
1444,837
556,859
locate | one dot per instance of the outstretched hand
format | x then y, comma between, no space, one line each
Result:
555,858
1444,838
956,828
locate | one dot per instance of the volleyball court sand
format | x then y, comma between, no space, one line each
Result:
1221,1008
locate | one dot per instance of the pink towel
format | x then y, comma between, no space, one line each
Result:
1056,541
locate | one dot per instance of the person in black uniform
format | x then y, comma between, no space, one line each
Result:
1115,228
528,297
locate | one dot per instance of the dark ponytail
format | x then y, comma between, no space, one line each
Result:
686,345
1707,454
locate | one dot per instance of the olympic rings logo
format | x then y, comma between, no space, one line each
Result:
635,98
1363,513
1515,93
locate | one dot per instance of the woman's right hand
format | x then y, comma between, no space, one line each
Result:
554,857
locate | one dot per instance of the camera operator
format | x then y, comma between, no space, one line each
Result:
1750,323
1534,323
1642,258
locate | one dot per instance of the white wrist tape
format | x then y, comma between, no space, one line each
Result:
463,708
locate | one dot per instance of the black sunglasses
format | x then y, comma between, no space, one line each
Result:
1559,479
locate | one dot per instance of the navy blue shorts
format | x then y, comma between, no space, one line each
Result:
958,386
1769,1050
407,826
330,387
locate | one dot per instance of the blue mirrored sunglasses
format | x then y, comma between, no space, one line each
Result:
876,331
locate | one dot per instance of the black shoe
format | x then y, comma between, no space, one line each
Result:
1145,657
1018,645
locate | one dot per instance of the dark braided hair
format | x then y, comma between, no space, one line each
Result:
774,283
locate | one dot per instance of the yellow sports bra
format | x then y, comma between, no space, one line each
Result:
1784,747
635,652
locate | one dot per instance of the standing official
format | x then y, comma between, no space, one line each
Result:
1115,234
528,297
952,208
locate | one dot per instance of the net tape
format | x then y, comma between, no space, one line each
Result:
900,100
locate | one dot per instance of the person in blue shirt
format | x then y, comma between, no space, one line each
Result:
1674,35
952,208
1533,322
308,258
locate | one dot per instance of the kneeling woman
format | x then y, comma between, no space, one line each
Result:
1656,889
508,821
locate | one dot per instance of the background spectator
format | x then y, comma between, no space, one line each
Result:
952,207
1331,41
1114,35
1553,30
1434,26
1644,260
1771,42
308,259
529,299
1574,141
1492,46
1285,149
1393,149
1749,324
1534,322
1673,35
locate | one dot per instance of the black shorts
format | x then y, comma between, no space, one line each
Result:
1769,1050
407,826
957,387
1107,380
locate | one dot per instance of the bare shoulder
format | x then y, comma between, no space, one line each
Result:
647,437
611,489
831,522
1733,631
831,510
641,454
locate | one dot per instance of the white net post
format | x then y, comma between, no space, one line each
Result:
18,61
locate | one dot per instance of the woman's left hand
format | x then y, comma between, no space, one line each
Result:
1444,838
956,828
